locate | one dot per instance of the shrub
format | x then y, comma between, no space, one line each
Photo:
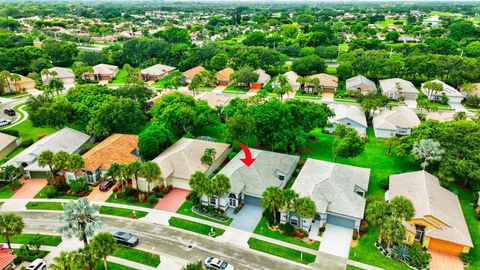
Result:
26,143
141,197
466,258
12,132
152,199
268,216
363,226
418,256
129,192
79,186
50,191
401,253
232,155
355,234
287,229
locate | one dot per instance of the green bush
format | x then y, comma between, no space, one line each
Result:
355,234
152,199
232,155
419,257
50,191
26,143
269,217
79,186
466,258
12,132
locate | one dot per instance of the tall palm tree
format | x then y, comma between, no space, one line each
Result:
56,84
84,258
375,213
62,262
134,169
46,159
15,78
115,172
75,164
220,185
80,219
305,208
104,245
151,172
198,182
289,198
272,200
60,161
282,80
10,225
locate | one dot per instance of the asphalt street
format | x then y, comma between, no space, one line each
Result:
170,241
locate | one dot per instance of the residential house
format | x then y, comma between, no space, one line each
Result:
338,191
438,223
223,76
155,72
116,149
67,139
66,75
7,261
21,85
263,79
104,72
453,95
362,84
475,92
433,21
292,80
249,182
399,88
348,115
214,100
397,121
8,143
182,159
440,116
328,83
189,74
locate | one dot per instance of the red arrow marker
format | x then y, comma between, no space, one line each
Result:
248,160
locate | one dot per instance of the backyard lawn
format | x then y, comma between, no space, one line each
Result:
139,256
194,226
121,212
262,229
6,193
280,251
44,239
44,206
186,209
120,78
28,131
217,131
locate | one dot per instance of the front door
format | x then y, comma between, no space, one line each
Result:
419,232
233,202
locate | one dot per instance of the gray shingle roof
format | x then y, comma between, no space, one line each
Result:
354,82
331,186
263,172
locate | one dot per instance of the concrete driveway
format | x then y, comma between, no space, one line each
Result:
444,261
30,188
173,200
336,240
247,219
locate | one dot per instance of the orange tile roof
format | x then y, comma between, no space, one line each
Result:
191,72
6,259
117,148
224,74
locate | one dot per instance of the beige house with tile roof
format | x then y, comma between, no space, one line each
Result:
181,160
328,83
397,121
214,100
223,76
104,72
22,85
438,223
155,72
188,74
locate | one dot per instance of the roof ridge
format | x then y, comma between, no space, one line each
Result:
424,174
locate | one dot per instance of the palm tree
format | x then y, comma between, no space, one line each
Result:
5,76
375,213
402,208
208,156
393,231
272,200
10,225
60,161
289,198
15,78
198,182
11,173
115,172
75,164
84,258
219,186
151,172
305,208
103,245
46,159
433,88
134,169
282,80
80,219
194,266
62,262
56,84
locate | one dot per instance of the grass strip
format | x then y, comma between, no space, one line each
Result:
194,226
280,251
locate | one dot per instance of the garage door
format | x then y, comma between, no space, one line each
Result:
181,184
445,246
38,175
341,221
252,200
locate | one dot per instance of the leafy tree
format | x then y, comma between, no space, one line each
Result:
75,163
473,49
393,231
62,262
10,225
462,29
199,182
272,201
87,100
112,117
132,75
350,146
92,58
60,52
244,77
55,112
11,173
427,150
174,35
104,245
255,39
194,266
219,61
370,104
345,71
241,127
309,65
80,219
151,172
305,208
153,140
208,156
392,142
392,36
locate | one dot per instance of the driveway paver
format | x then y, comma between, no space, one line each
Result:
444,261
336,240
99,196
247,219
173,200
30,188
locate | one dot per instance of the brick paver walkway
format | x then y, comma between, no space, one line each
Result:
173,200
30,188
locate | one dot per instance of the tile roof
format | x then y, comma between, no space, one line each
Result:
157,70
105,69
352,83
326,80
182,159
263,172
351,112
62,73
191,72
431,199
117,148
23,80
224,74
6,140
448,90
390,85
263,76
213,99
6,260
331,186
397,117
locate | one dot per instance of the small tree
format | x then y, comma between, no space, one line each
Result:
272,201
208,156
104,245
75,163
433,88
427,150
198,182
219,186
62,262
244,77
350,146
10,225
46,159
391,143
151,172
134,169
305,208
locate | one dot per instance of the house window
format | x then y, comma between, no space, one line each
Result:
213,200
361,193
294,221
281,177
419,232
232,200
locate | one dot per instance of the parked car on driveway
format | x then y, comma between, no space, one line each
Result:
4,122
106,185
126,239
217,264
9,112
37,264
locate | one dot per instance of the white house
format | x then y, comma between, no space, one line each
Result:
348,115
399,88
292,80
66,75
362,84
453,95
338,192
397,121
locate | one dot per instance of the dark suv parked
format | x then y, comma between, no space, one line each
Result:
9,112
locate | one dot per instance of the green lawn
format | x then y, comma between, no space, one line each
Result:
332,70
120,78
217,131
389,21
113,266
112,199
44,206
262,229
6,193
343,47
307,96
45,240
349,100
139,256
121,212
186,209
194,226
41,195
445,14
351,267
28,131
287,253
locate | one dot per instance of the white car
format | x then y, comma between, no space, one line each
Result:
38,264
4,122
214,263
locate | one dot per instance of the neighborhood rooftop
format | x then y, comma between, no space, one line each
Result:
117,148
